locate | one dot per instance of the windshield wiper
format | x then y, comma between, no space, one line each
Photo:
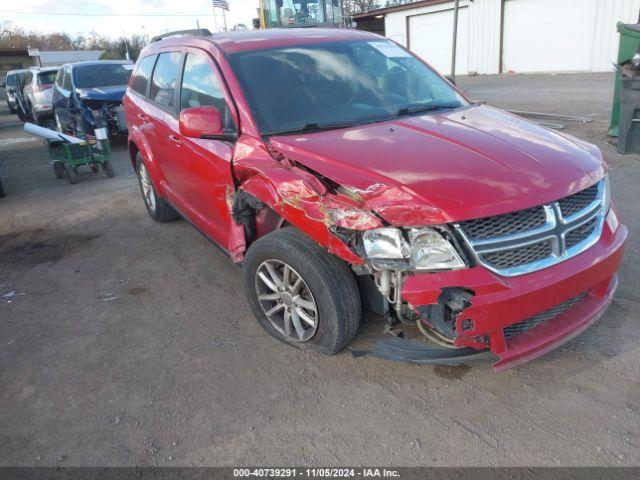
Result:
426,107
313,127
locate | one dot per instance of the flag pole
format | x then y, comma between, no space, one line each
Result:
224,19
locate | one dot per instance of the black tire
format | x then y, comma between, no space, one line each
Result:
58,169
71,174
163,212
330,280
107,166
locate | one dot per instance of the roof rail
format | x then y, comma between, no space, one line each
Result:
198,32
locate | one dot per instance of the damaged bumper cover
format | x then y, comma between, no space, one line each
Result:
519,318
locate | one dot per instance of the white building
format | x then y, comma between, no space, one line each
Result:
499,36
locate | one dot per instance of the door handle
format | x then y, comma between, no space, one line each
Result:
175,139
142,116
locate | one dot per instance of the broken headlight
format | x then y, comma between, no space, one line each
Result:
425,249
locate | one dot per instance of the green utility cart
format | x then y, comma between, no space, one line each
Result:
629,45
68,157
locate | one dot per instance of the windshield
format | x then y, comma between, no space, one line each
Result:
47,78
338,83
285,13
104,75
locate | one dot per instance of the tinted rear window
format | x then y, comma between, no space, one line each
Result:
142,74
101,75
165,76
47,78
13,78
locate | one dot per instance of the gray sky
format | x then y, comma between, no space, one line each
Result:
242,11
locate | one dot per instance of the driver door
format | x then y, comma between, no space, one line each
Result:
206,163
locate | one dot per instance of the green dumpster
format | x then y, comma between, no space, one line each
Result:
629,45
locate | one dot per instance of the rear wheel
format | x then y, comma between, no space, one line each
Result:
300,294
158,208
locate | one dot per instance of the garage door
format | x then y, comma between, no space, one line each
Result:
536,40
431,37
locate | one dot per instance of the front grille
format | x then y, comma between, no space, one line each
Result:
527,240
509,223
541,318
578,201
520,256
577,235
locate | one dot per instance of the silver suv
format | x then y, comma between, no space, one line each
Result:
12,81
37,92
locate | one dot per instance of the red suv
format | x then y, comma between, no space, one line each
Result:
343,172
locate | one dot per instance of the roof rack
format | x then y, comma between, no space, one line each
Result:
198,32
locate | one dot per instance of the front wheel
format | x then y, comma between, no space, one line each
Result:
107,166
71,173
300,294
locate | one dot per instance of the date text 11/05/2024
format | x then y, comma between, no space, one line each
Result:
316,472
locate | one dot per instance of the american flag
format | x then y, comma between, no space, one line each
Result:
223,4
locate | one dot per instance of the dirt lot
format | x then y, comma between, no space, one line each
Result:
131,342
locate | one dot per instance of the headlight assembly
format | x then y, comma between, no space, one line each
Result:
431,251
426,250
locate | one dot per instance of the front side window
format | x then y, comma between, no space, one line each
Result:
165,77
201,86
66,80
142,74
102,75
347,82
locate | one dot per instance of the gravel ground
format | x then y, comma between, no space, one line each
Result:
131,342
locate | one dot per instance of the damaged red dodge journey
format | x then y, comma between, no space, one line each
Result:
344,172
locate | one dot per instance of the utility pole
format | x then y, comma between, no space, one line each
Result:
456,7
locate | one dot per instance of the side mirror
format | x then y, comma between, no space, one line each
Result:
204,122
256,23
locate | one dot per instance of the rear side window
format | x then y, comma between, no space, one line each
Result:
46,78
11,79
165,77
201,86
142,74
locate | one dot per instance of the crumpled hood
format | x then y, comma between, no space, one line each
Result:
458,165
113,93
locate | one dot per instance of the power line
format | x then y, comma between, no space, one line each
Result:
75,14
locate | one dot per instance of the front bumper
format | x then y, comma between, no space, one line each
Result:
499,302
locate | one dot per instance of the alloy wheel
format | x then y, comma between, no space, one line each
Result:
147,188
286,300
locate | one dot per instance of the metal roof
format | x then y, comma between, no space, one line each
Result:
68,56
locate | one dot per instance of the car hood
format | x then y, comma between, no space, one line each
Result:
114,92
458,165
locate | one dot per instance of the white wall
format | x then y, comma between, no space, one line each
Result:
484,36
594,41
